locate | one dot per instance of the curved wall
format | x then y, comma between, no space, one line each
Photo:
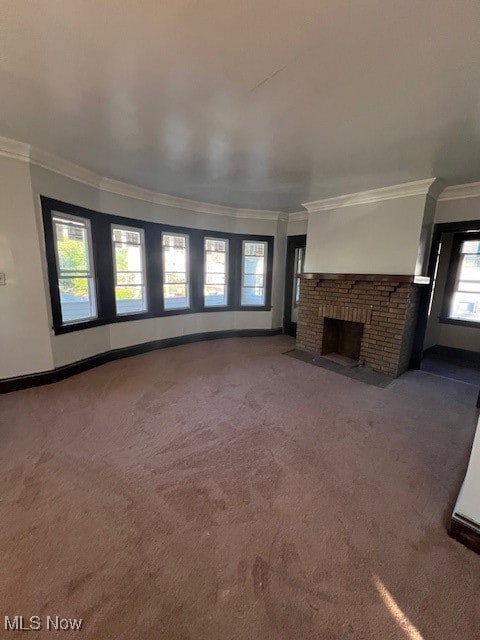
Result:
27,342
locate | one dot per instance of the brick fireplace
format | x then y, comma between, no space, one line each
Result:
369,318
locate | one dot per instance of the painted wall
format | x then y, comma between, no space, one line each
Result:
379,237
24,335
28,344
449,335
457,210
297,227
468,503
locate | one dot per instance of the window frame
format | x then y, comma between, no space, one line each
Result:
242,286
141,231
296,273
91,271
453,277
188,280
103,260
227,269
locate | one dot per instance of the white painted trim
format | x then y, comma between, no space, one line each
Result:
419,187
32,155
461,191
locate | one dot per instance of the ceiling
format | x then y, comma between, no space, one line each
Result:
259,104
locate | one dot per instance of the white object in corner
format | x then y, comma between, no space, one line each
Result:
468,503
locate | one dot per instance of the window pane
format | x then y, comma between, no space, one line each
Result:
175,278
253,273
253,280
216,245
253,265
470,269
175,271
129,236
72,247
216,265
215,262
75,271
214,278
77,299
465,285
175,296
215,295
129,299
254,248
253,295
174,253
466,306
471,246
129,277
129,255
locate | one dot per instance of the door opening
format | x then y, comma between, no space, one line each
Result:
295,263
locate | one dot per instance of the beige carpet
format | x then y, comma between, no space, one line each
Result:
222,490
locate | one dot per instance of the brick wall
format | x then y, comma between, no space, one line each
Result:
387,309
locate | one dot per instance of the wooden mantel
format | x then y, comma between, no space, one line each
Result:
366,277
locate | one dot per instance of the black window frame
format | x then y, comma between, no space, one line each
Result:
103,264
453,277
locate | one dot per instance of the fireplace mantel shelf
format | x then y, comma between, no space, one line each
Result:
366,277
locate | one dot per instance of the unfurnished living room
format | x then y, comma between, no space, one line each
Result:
240,319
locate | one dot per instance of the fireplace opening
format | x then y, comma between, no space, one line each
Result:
342,341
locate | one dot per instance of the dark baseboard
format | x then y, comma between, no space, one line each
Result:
466,532
55,375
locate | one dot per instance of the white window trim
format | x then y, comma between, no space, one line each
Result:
84,222
227,254
187,270
144,267
260,304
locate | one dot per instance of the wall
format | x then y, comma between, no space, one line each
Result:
449,335
24,336
28,343
297,224
468,503
379,237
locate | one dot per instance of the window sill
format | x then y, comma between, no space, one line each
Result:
99,322
459,323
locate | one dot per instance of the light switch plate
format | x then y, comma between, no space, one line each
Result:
2,279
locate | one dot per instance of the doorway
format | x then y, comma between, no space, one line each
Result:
295,264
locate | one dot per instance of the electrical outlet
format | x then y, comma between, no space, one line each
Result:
2,279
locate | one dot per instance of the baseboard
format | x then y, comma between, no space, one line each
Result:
466,532
55,375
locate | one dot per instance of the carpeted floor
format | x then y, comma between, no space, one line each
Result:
223,491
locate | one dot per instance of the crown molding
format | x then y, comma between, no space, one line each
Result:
298,216
429,186
461,191
40,158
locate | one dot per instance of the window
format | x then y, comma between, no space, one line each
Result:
100,270
216,272
176,288
299,260
129,269
465,300
76,281
254,263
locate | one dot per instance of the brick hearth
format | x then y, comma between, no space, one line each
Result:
386,307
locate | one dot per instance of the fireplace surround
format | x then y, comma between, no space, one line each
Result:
337,311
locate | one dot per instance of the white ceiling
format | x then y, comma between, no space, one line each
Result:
249,103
